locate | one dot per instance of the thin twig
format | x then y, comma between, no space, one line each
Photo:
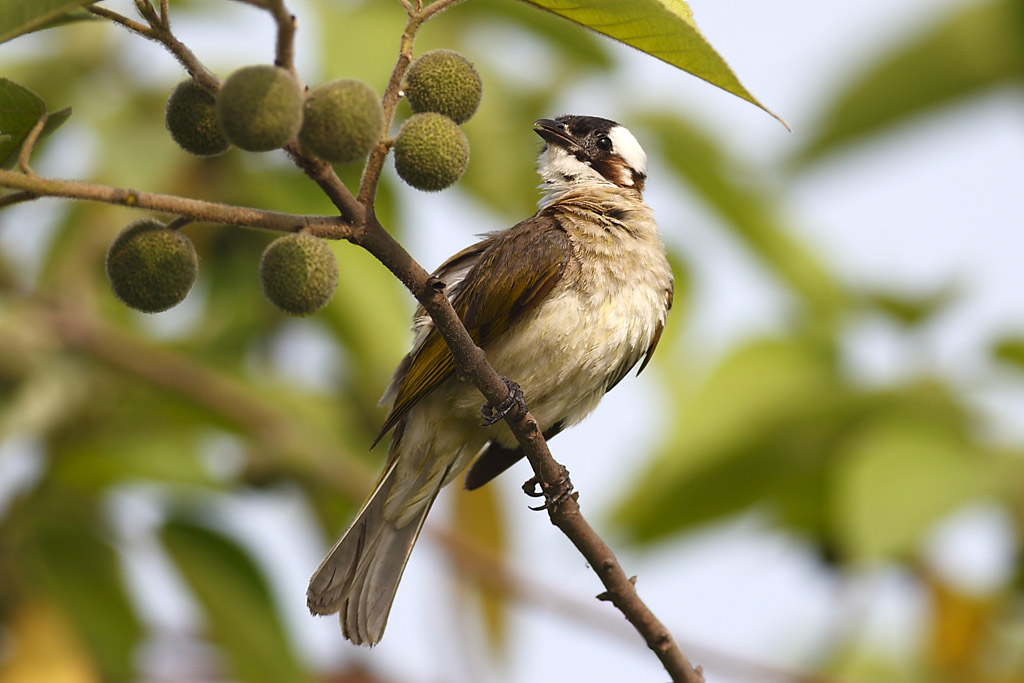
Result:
330,227
165,15
286,27
130,24
437,8
392,95
179,223
262,4
148,13
12,198
323,174
30,142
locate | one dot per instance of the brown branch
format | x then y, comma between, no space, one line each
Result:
12,198
323,174
554,478
159,31
30,142
331,227
121,20
393,93
286,26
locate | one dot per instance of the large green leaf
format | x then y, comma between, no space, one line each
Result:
20,110
23,16
661,28
973,49
760,422
236,601
897,477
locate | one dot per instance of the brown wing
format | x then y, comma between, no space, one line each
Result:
515,270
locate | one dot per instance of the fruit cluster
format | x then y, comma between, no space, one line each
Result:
152,266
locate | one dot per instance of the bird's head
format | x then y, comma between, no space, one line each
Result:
584,150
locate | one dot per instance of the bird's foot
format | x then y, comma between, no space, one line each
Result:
493,415
553,495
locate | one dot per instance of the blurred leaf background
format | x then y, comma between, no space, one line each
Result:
165,479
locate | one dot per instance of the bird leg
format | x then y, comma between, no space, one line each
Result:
553,495
493,415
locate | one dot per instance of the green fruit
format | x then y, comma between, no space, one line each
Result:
443,81
341,120
191,119
260,107
298,273
151,267
431,152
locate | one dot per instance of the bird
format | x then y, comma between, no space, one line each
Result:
564,304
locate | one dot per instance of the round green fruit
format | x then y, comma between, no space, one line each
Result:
341,120
431,152
443,82
191,119
298,273
151,267
259,108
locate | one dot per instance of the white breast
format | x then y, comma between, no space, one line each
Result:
607,314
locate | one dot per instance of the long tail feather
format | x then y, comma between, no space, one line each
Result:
360,575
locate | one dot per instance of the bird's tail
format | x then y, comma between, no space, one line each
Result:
360,575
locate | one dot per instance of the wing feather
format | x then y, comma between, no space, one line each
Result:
512,272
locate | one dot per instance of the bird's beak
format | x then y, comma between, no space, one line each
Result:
554,133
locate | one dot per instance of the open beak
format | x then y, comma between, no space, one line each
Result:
554,133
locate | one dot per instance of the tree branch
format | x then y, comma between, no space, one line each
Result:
331,227
30,142
12,198
286,26
565,513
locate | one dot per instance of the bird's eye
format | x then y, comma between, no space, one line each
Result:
604,143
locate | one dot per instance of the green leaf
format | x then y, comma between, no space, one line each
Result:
759,424
664,29
748,210
1010,350
18,17
975,48
897,477
20,110
236,600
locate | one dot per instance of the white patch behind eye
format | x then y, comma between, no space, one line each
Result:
627,147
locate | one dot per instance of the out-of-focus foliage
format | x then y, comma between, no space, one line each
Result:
18,17
970,51
778,426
